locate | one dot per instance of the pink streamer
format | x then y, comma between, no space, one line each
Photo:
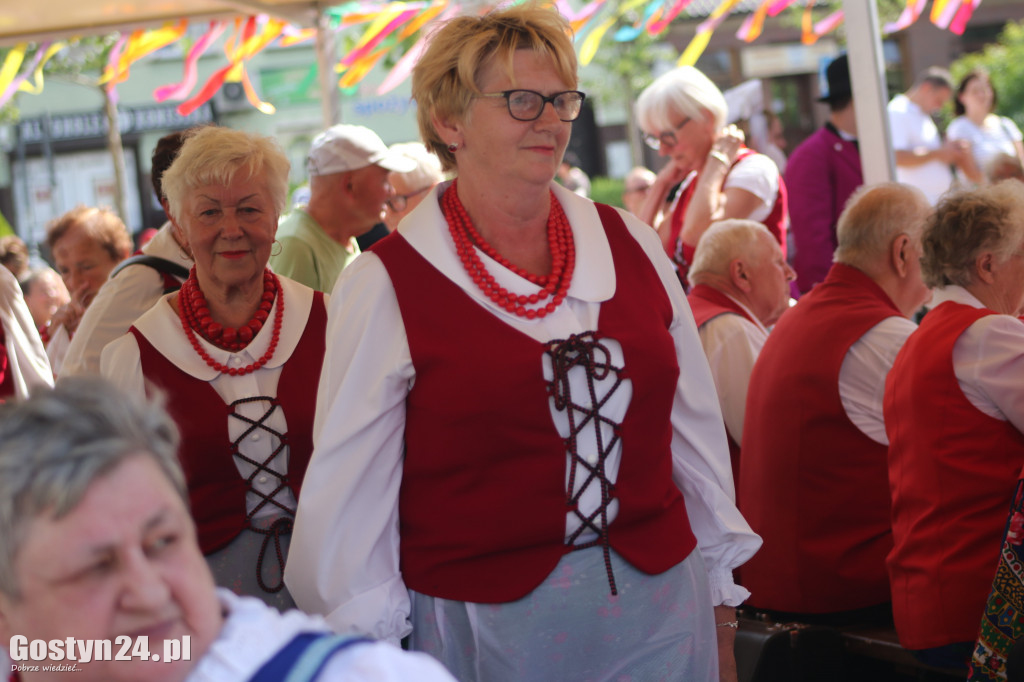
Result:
16,83
181,90
358,53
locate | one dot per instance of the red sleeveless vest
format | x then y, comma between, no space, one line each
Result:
953,470
6,378
483,496
681,254
216,490
814,486
707,303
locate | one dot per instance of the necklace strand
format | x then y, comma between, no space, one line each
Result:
194,315
555,285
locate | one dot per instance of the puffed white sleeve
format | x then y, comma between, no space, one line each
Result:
121,364
26,357
700,452
343,560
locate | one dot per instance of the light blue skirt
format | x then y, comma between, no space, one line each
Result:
571,629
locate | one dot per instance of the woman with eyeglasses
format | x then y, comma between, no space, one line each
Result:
520,460
710,174
412,186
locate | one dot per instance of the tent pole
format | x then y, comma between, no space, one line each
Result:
329,104
870,93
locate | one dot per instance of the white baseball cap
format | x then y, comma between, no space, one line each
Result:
343,148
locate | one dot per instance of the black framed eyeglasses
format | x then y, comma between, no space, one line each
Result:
398,202
667,138
527,105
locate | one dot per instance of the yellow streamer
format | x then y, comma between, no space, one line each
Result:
12,63
695,49
36,86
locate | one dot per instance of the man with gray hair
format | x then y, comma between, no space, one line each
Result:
99,561
740,288
815,480
348,183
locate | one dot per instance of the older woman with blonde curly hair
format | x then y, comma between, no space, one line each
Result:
238,352
520,459
954,414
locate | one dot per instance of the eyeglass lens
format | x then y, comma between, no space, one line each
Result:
527,105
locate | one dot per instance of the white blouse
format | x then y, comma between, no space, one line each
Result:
344,556
120,362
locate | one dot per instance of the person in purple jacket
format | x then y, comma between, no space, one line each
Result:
821,175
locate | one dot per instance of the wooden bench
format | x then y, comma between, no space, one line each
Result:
768,651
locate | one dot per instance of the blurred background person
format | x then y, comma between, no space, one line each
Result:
420,439
98,542
45,293
954,415
87,243
988,133
572,176
411,187
709,173
348,181
1004,167
160,267
823,171
635,187
238,352
923,159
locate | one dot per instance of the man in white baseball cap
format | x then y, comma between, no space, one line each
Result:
348,180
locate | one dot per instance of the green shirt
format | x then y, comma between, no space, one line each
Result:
307,254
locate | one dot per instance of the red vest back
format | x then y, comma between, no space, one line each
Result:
6,378
483,497
216,490
814,486
953,470
708,303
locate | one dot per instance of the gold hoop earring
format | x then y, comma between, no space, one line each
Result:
278,246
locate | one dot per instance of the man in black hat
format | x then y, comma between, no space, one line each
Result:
821,175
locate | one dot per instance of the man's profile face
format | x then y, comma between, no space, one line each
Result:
123,562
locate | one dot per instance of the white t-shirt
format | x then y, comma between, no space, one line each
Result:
911,130
995,136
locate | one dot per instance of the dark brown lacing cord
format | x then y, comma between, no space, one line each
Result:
586,351
283,525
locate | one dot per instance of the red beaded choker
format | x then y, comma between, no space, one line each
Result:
560,243
195,317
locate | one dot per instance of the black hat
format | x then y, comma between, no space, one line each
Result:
838,76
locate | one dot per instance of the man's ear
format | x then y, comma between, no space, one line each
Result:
900,254
739,274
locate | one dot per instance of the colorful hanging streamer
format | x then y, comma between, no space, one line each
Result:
700,41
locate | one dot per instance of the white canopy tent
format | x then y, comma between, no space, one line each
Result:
25,20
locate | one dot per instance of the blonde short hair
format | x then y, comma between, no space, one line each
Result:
444,80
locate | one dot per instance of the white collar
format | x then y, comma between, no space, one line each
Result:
162,327
593,279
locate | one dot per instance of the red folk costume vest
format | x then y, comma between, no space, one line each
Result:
953,471
483,498
814,486
216,490
6,378
708,303
681,254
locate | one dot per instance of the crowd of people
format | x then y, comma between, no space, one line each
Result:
422,406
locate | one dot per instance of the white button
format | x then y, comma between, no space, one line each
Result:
592,459
263,479
255,436
236,360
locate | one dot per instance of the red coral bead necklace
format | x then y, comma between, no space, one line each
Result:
556,284
195,317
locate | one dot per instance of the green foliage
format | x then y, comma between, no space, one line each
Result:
606,190
1004,61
